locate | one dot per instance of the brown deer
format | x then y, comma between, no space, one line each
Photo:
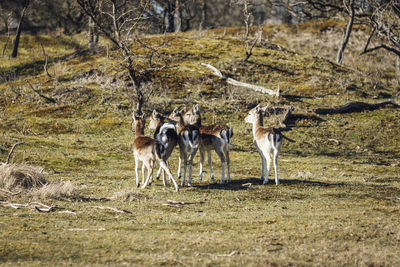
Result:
165,132
188,140
268,142
215,137
146,150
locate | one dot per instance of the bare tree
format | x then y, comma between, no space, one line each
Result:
349,7
7,20
248,18
14,52
178,16
93,34
203,20
384,20
381,16
121,22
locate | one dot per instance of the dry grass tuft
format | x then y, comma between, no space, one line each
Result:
56,190
20,175
127,195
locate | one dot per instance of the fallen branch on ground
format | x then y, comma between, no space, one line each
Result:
355,107
48,99
13,205
36,205
111,208
220,255
86,229
179,204
242,84
67,211
9,192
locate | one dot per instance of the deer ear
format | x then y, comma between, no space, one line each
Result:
196,108
154,113
257,108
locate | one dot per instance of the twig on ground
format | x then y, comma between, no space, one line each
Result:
67,211
179,204
9,192
86,229
48,99
220,255
111,208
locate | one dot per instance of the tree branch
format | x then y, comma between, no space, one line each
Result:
241,84
388,48
12,151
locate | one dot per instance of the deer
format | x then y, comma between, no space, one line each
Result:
268,142
215,137
188,140
165,132
147,150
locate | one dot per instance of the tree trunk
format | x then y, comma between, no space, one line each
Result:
169,17
398,70
178,16
349,28
8,36
203,21
14,52
93,34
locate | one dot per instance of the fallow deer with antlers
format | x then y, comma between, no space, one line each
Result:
147,150
268,142
188,140
215,137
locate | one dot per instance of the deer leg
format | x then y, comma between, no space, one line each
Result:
167,170
263,167
179,165
192,154
228,164
201,164
262,177
143,172
210,165
136,171
158,173
184,169
268,165
164,173
276,154
149,167
222,157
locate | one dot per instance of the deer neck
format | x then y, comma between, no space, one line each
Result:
258,123
198,122
180,123
139,129
160,122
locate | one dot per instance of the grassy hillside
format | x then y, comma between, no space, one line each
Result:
339,198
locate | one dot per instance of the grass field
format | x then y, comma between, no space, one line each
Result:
339,198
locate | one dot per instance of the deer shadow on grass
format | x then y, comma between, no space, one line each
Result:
234,185
249,183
